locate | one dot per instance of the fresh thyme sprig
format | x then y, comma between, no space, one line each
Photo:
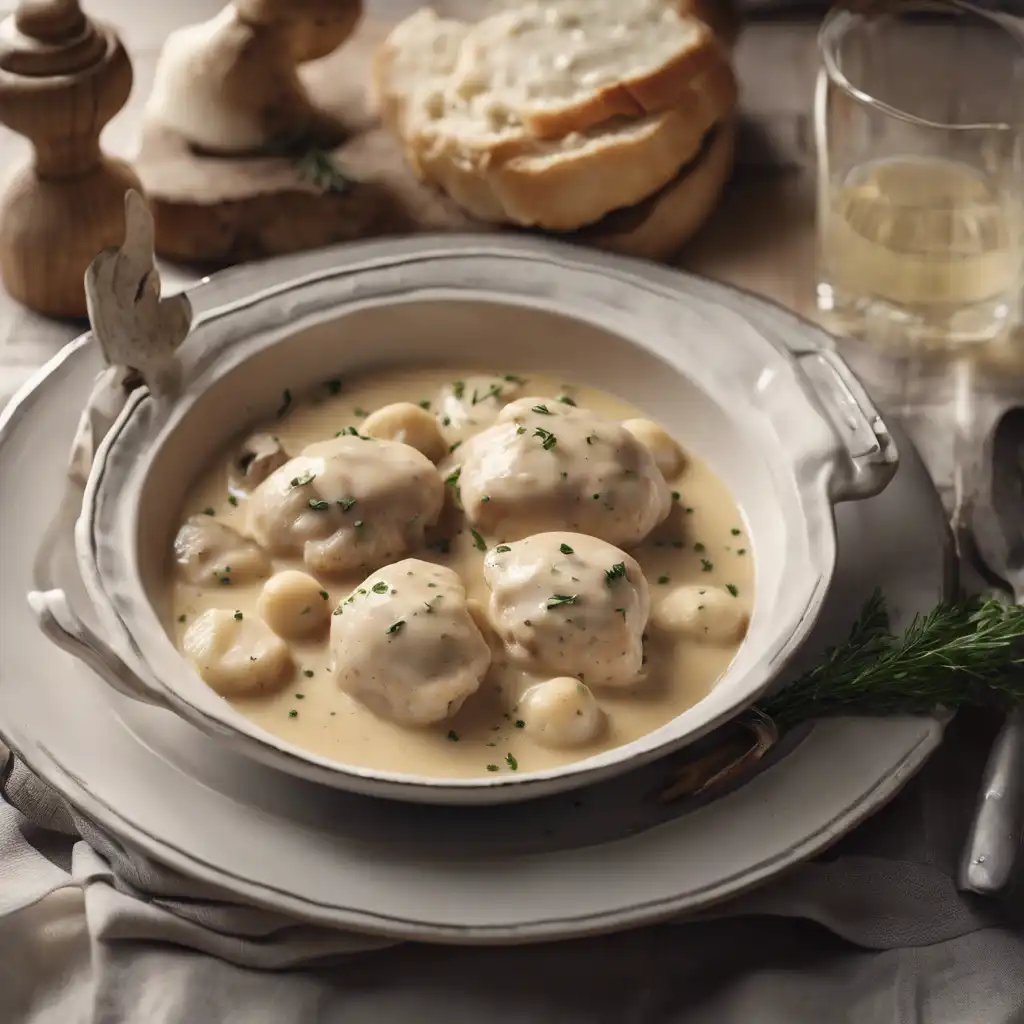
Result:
955,655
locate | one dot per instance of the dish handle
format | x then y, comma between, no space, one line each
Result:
64,628
871,455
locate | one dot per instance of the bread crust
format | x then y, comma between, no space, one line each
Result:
568,189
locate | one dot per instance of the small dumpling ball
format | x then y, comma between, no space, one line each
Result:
294,605
567,603
561,713
408,424
236,654
668,456
208,553
406,646
705,613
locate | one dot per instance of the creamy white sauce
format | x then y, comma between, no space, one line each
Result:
702,542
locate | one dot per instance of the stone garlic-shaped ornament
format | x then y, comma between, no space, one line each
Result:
138,332
231,85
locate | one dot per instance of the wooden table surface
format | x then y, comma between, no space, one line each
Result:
761,238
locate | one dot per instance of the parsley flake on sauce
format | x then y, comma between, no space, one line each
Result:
565,549
557,600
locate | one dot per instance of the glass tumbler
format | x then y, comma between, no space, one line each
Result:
918,125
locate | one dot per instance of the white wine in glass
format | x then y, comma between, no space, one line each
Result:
919,123
925,245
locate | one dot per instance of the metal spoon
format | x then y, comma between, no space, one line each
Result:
997,526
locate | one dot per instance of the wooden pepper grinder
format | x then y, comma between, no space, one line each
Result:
62,78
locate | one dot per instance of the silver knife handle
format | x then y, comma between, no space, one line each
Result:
994,842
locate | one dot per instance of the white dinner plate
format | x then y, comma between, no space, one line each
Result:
607,857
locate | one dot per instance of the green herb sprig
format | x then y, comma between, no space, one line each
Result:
958,654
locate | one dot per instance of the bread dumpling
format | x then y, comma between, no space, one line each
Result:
465,407
569,605
406,646
351,503
208,552
546,464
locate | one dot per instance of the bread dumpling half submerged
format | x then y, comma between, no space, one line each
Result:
546,464
569,605
405,644
349,504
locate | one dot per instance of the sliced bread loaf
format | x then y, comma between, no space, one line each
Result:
560,66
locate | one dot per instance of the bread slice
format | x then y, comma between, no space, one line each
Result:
560,66
413,65
484,156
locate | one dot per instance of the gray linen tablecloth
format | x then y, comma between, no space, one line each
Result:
873,933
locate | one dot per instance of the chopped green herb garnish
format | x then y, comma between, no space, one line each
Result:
557,600
333,386
339,610
324,595
676,495
706,566
688,511
520,429
663,580
395,627
542,409
318,504
741,551
511,762
616,572
346,503
735,532
446,421
181,618
453,477
520,724
424,403
458,389
548,439
565,400
293,713
452,447
732,588
492,767
502,548
513,379
698,547
380,588
238,616
453,736
493,392
306,478
209,511
478,541
622,612
565,549
233,501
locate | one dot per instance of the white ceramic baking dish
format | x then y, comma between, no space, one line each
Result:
778,417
